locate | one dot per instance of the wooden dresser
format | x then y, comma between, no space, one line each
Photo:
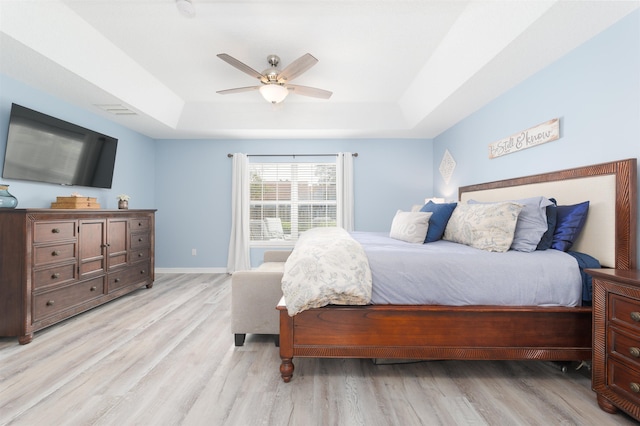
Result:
57,263
616,340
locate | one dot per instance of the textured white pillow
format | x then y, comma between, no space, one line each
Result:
484,226
532,223
410,226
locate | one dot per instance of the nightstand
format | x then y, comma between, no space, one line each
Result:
616,340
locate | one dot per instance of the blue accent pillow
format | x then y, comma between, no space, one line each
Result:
570,221
552,219
439,219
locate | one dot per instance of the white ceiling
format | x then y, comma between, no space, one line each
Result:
397,69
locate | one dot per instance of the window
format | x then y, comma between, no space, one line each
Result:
289,198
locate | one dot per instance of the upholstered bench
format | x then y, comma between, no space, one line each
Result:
254,296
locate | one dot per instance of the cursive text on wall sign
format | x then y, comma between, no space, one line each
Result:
537,135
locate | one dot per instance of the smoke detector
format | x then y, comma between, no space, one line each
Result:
186,8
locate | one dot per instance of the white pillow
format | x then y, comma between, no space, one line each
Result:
410,226
484,226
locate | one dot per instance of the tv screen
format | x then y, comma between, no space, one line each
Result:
42,148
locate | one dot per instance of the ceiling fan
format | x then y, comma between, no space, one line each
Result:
275,82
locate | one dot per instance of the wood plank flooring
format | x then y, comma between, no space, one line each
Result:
166,356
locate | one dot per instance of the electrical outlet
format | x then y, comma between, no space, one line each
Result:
193,252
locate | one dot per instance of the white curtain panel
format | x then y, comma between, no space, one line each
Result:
344,183
239,257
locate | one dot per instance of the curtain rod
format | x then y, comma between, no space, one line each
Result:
355,154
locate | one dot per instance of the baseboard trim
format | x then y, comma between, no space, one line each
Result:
190,270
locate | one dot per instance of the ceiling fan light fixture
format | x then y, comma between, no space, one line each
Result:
274,93
186,8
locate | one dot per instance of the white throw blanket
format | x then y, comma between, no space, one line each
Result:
327,266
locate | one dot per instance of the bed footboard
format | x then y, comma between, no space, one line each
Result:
435,332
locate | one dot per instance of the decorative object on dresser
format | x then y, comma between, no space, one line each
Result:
58,263
616,340
75,202
7,201
123,201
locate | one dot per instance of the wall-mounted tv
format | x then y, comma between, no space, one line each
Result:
42,148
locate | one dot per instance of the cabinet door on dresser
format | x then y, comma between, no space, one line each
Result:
118,231
92,236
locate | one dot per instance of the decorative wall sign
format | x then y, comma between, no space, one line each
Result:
537,135
446,166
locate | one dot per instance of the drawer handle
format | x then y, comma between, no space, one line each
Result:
55,230
635,316
634,387
139,223
94,288
140,240
139,254
56,275
635,352
117,280
142,272
49,302
55,253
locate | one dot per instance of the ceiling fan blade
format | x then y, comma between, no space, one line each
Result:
309,91
296,68
238,90
242,66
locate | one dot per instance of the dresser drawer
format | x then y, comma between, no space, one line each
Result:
139,224
130,276
56,275
52,302
624,311
140,254
44,232
53,254
138,240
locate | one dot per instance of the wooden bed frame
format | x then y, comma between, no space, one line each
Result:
466,332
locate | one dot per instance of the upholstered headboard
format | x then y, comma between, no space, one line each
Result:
610,232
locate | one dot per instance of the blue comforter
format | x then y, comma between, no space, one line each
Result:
585,261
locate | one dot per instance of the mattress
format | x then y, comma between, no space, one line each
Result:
446,273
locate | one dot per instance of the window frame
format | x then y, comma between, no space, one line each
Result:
294,203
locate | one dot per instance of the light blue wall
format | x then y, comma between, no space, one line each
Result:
594,90
193,190
134,172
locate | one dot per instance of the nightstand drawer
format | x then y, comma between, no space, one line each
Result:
624,311
625,346
624,380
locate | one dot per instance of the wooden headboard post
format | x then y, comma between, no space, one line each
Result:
625,175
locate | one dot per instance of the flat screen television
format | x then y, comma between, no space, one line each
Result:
42,148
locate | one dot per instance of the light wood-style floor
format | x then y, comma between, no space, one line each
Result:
166,356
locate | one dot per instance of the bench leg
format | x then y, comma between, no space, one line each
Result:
239,338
